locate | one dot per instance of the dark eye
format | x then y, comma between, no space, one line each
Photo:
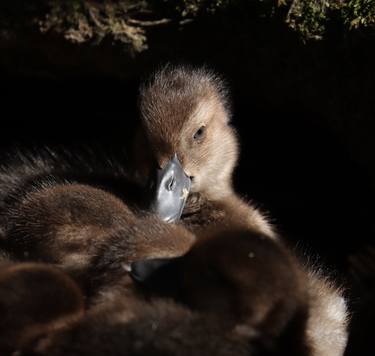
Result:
200,133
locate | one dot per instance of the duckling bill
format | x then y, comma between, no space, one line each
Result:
171,191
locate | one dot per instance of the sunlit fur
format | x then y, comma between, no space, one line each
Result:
328,319
174,104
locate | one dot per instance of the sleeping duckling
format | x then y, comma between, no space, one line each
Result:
81,229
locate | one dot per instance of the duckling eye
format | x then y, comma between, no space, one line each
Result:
200,133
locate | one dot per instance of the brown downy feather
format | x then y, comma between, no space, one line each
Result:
251,301
249,284
175,103
158,328
35,299
89,233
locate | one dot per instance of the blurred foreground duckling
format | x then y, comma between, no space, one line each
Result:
34,299
141,329
251,301
249,284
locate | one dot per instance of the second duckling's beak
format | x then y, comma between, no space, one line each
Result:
172,189
142,270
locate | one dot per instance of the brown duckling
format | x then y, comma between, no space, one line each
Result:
254,285
34,298
87,231
249,284
251,301
185,118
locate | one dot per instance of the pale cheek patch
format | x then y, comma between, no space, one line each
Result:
75,260
203,112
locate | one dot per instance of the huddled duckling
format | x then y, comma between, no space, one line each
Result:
82,229
249,284
250,302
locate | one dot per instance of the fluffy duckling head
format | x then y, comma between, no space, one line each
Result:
185,114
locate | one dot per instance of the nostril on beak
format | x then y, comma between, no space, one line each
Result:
171,184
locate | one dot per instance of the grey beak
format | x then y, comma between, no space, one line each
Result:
172,189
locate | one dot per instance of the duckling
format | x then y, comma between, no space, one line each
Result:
78,228
252,301
185,117
251,285
34,298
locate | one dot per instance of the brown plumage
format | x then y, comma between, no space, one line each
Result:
249,284
251,301
185,111
156,328
34,299
89,233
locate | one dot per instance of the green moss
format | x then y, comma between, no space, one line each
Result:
359,13
129,22
309,18
90,21
195,7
